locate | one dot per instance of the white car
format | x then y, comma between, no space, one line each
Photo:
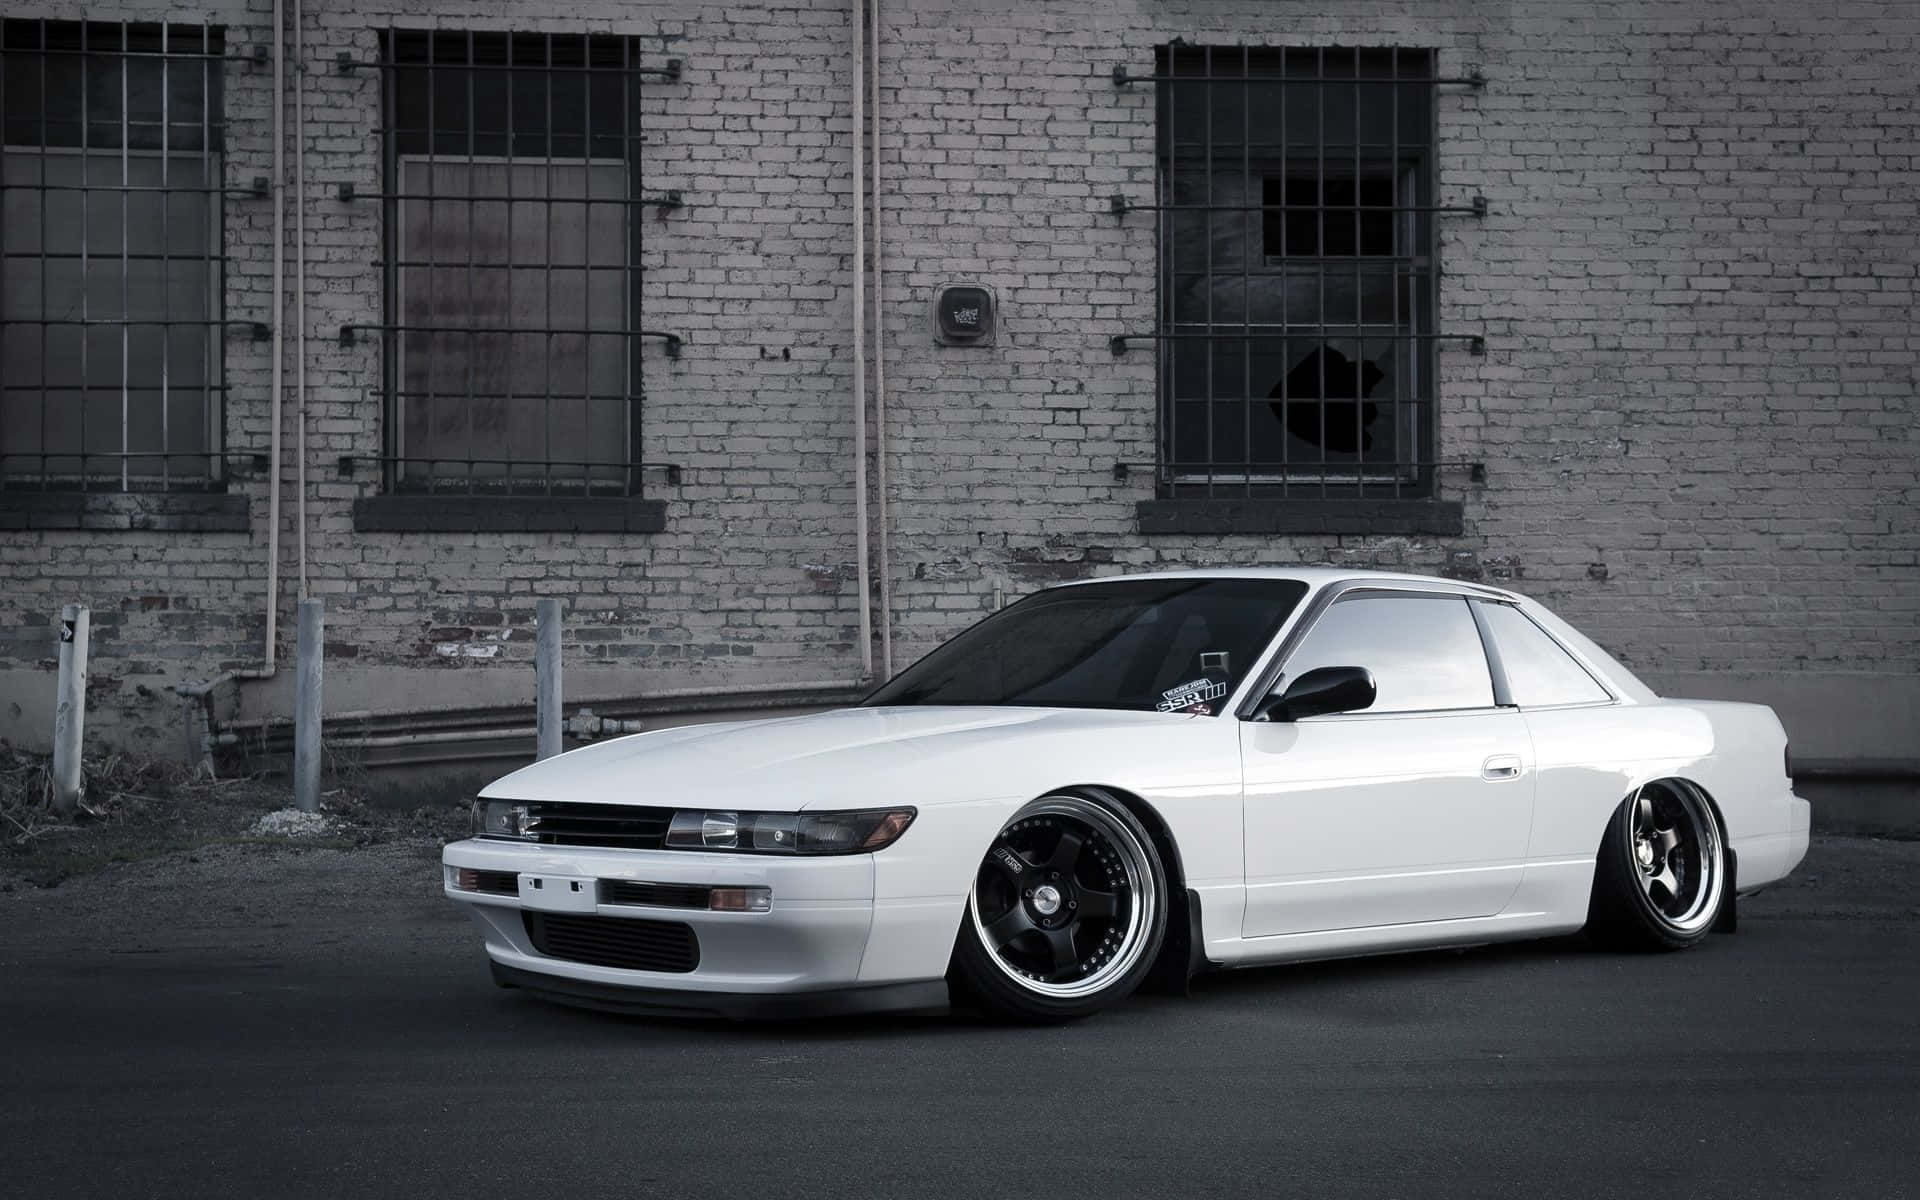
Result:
1133,777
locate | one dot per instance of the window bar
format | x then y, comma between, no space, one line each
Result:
633,250
1359,298
1320,253
587,345
1206,235
1168,352
1247,246
1286,277
1404,378
472,339
166,265
1429,356
86,223
126,290
393,438
546,189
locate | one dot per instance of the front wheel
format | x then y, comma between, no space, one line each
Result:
1066,914
1662,876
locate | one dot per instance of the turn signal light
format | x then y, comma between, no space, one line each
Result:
740,899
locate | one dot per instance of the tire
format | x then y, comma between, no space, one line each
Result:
1663,876
1067,912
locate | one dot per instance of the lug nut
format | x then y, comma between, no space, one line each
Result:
1073,904
1029,893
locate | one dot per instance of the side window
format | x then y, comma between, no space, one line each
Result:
1424,651
1538,670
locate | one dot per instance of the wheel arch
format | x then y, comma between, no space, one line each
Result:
1728,921
1182,951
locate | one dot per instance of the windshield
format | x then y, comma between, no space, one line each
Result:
1172,645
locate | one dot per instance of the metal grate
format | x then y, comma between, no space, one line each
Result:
657,895
1298,270
625,942
513,209
564,823
110,255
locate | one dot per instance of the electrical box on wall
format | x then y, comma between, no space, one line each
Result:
963,315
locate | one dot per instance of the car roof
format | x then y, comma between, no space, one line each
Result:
1313,577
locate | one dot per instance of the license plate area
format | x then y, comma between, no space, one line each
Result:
559,893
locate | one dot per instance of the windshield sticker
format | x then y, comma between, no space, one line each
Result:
1191,694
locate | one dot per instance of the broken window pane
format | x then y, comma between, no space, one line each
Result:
1296,265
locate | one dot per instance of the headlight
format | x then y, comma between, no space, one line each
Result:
788,833
499,819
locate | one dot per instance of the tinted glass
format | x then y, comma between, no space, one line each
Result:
1176,645
1424,651
1538,670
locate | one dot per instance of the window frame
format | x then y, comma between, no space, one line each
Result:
578,486
1260,682
1502,687
1410,475
178,46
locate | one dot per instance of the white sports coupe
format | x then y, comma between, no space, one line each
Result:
1130,779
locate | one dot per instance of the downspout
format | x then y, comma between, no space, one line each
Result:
279,305
300,275
864,580
880,358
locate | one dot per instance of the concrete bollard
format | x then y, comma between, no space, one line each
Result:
546,670
307,705
70,709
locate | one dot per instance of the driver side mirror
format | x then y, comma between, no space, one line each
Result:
1319,692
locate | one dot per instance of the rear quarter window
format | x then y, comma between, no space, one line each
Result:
1539,672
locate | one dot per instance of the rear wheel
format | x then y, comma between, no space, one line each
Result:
1662,876
1067,911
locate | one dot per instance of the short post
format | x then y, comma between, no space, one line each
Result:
546,670
70,709
307,707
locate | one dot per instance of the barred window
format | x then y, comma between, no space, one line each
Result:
512,361
110,255
1297,270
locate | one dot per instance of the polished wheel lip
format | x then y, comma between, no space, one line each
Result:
1144,893
1676,854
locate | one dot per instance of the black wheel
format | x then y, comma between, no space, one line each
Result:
1662,876
1066,914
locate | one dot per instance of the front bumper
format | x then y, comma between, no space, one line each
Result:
807,955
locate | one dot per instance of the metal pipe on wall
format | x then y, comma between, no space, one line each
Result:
300,277
861,571
279,190
880,355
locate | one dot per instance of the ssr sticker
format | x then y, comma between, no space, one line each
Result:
1191,694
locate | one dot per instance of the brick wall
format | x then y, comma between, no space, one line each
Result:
1696,410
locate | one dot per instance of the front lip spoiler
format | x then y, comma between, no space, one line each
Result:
929,997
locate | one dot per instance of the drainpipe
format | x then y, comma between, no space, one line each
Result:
279,303
880,357
300,275
855,14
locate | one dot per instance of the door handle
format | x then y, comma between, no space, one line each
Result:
1501,766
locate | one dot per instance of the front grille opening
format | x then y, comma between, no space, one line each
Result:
623,942
496,883
614,826
655,895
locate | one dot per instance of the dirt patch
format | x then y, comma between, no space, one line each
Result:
136,809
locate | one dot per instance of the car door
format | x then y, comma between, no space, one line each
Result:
1416,809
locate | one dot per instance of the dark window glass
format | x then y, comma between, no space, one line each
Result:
514,294
1424,651
110,190
1297,268
1146,644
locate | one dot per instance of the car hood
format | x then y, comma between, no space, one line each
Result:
843,758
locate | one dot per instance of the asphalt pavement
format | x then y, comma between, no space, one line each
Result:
255,1022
